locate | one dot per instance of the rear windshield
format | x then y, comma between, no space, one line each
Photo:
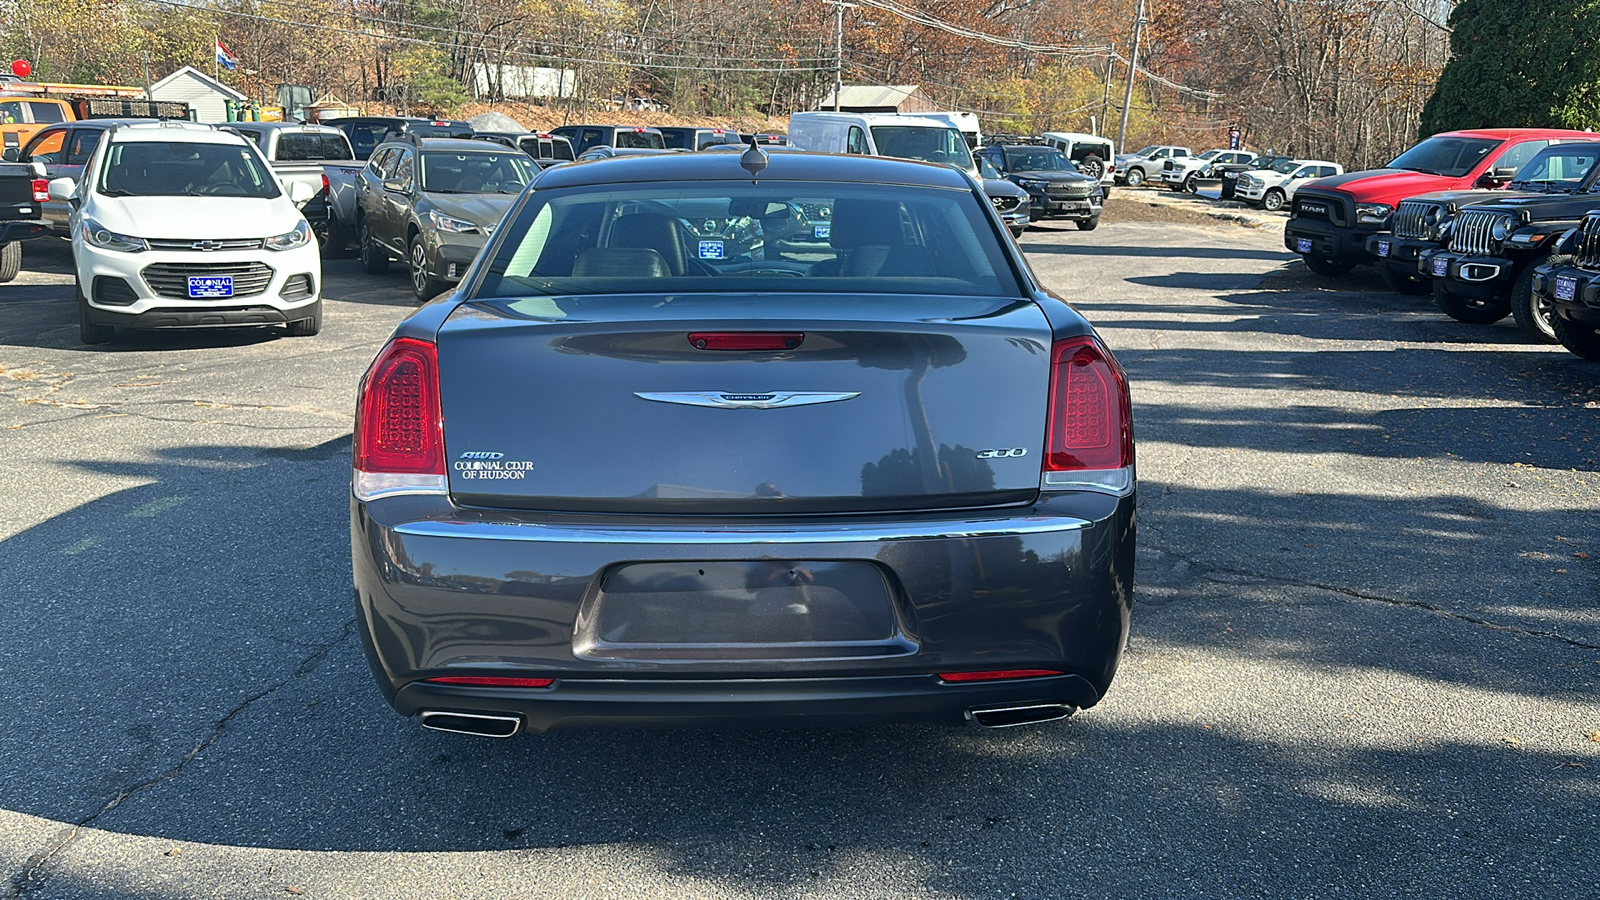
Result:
1452,156
300,147
152,169
1038,159
920,142
734,237
641,140
476,173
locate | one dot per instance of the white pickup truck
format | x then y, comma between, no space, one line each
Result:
1272,189
321,158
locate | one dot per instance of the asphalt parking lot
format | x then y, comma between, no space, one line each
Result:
1364,662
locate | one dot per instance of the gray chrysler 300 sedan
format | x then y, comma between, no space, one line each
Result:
713,438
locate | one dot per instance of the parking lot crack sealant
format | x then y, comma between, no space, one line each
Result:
1207,570
34,874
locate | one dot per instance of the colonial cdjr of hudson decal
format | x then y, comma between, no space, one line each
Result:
483,465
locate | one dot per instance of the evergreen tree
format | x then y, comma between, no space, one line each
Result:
1519,63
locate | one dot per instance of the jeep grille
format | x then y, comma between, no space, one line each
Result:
1474,231
1588,255
1410,220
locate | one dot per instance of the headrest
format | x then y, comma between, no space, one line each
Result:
620,262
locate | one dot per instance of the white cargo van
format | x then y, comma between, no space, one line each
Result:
881,134
964,122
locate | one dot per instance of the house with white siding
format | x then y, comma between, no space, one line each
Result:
204,94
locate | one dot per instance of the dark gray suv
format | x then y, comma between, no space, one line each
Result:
432,203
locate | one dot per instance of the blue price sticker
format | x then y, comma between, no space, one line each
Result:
711,250
822,232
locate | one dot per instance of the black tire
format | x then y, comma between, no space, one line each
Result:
1579,337
1472,312
311,324
423,284
1135,177
1191,185
89,332
1272,200
1328,268
1410,285
332,240
1093,166
1089,224
10,260
374,259
1018,230
1532,313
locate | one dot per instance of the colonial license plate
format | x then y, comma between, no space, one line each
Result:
205,287
1441,266
1383,248
1302,245
1566,287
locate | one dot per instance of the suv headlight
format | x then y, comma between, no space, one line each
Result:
97,235
1500,229
289,240
1372,213
1031,184
452,225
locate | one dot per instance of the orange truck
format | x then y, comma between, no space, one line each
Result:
28,107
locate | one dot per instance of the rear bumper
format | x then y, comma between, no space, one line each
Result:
442,591
1473,277
1326,240
1582,304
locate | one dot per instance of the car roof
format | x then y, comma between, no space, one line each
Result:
602,125
1077,136
175,133
279,126
1026,147
1528,133
453,145
821,167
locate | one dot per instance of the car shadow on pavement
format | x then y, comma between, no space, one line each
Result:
1162,252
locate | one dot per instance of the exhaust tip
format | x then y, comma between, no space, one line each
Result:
1009,716
476,724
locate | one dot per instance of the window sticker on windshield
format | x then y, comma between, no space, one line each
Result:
711,250
822,232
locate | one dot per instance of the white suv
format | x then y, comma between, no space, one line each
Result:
1272,189
180,225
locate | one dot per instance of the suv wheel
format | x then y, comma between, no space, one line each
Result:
1533,312
311,324
1191,185
1273,200
1093,166
1135,176
1328,268
374,259
10,260
91,332
1581,338
1472,312
1401,283
423,284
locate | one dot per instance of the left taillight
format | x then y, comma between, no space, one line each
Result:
1089,430
399,434
41,190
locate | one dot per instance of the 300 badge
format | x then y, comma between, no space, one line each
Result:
1002,453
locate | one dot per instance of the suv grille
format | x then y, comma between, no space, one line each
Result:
1058,191
1005,204
191,244
1474,231
1410,220
1588,255
172,279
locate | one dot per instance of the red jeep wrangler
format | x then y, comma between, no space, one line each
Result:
1332,218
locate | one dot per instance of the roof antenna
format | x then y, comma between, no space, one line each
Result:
753,160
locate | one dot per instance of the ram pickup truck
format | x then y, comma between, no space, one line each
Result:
22,193
1134,169
1569,283
1420,223
1186,172
321,158
1486,271
1332,234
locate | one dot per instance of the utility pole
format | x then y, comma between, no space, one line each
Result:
1133,65
1105,96
839,6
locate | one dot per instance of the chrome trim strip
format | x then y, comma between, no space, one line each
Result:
798,534
747,399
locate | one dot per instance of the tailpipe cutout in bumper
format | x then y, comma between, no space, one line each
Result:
1008,716
477,724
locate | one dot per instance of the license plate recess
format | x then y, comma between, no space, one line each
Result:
1566,287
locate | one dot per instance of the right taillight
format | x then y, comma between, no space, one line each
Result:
1089,438
399,435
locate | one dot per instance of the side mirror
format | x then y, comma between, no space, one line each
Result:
1498,175
394,184
300,192
11,154
64,189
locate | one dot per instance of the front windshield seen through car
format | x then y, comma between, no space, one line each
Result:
1452,156
1287,166
475,173
1038,160
185,169
746,239
1564,165
923,143
1211,154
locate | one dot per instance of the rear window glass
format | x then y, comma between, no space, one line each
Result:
475,173
294,147
643,140
784,237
